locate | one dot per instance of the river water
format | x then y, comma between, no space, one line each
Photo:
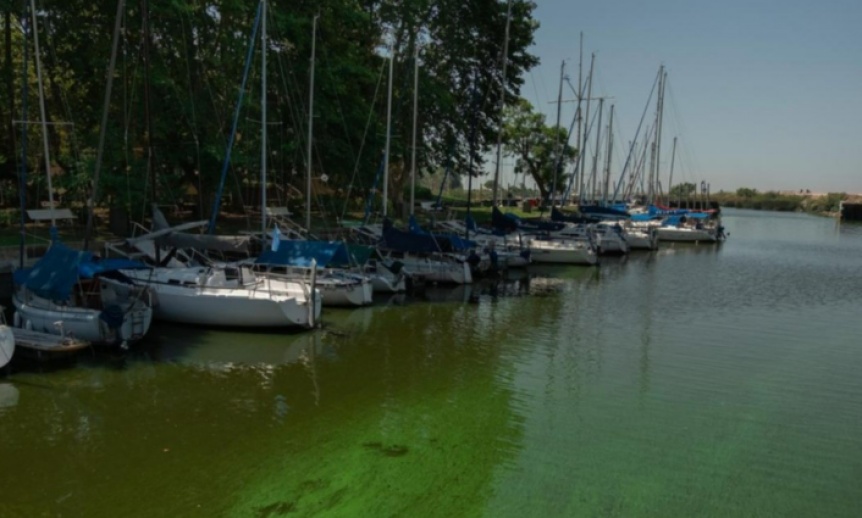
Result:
694,381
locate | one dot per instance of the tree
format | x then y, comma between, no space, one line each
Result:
539,150
745,192
683,190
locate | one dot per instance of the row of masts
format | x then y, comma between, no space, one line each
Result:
588,189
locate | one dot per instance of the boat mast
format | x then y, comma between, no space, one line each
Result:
608,156
263,120
500,105
583,157
310,127
415,118
594,176
44,119
388,134
557,143
656,147
91,201
670,180
151,174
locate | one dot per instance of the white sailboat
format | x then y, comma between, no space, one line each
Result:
226,294
72,293
7,345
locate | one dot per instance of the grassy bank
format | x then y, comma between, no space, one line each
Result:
771,200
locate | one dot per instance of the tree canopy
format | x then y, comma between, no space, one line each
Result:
541,151
197,53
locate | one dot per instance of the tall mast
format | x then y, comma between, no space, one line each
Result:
660,124
415,118
500,105
557,148
578,169
388,134
608,156
310,126
91,201
263,119
151,174
594,175
656,126
670,180
586,130
42,113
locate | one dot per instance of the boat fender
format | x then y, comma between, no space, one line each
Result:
473,259
16,319
28,325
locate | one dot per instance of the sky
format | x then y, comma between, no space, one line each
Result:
762,94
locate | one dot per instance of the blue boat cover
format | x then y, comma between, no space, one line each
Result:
510,222
55,274
294,252
618,210
560,216
446,242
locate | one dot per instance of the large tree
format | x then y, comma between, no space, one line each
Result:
197,56
541,151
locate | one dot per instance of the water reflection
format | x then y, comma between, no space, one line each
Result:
8,396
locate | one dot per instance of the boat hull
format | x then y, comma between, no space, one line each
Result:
687,235
83,323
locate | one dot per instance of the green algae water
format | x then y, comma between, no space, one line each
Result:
694,381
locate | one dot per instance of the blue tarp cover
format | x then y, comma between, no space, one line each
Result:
292,252
446,242
55,274
618,210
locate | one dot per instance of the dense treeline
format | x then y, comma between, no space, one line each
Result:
196,55
745,198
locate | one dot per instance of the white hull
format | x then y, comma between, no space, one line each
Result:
441,272
691,235
347,292
189,295
37,314
642,239
7,345
383,283
562,252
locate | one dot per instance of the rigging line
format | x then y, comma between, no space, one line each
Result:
194,113
535,90
364,136
236,117
634,140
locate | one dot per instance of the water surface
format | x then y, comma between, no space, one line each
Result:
694,381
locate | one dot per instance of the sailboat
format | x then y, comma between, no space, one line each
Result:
190,288
7,345
75,293
419,254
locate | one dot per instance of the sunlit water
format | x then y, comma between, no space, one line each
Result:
695,381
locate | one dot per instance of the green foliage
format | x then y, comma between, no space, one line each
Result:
683,190
745,192
197,56
540,150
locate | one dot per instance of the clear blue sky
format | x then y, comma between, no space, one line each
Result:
761,93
